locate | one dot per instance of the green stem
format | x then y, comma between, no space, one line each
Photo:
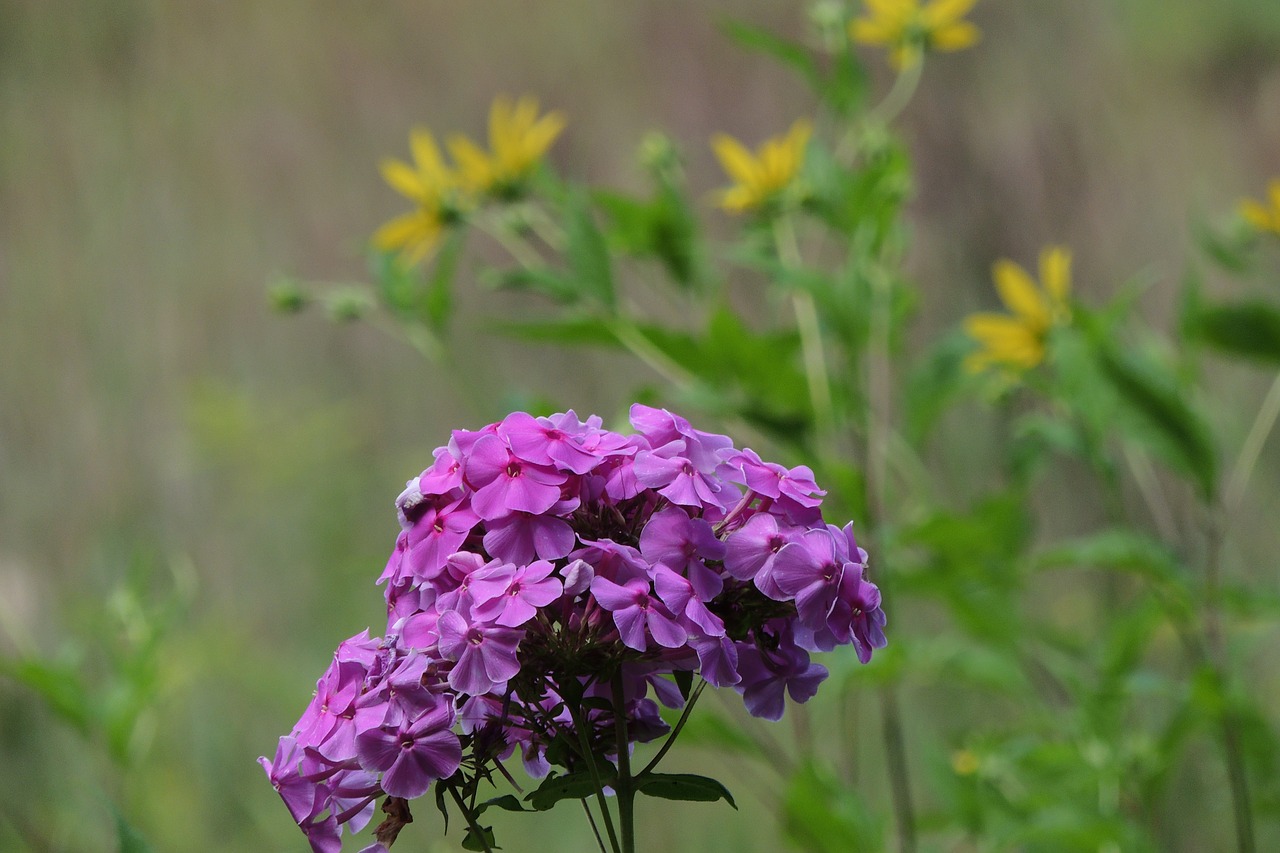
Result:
470,818
579,725
595,830
1233,752
879,403
624,787
807,322
671,738
1252,448
644,349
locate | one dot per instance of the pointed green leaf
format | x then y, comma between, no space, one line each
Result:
572,786
586,252
683,786
472,842
789,53
1243,329
1162,409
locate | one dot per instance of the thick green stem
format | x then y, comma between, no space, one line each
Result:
624,787
579,725
806,310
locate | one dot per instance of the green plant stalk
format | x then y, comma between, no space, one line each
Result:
470,818
1251,449
624,788
877,437
810,328
1237,776
578,725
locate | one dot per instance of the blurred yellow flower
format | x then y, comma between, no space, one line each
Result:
965,762
907,29
1264,217
762,175
430,185
518,139
1016,341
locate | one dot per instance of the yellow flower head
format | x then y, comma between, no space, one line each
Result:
1264,217
1016,341
908,29
761,176
518,139
432,187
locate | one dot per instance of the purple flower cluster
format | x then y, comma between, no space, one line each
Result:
540,556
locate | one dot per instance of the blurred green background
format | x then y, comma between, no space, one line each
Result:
196,494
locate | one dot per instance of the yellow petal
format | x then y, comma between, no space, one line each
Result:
940,13
1256,215
1055,274
404,180
474,165
427,155
401,232
1273,190
500,123
896,9
868,31
954,36
1018,292
543,132
737,161
738,199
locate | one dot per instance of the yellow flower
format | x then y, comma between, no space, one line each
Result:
432,186
1264,217
760,176
1016,341
518,139
908,29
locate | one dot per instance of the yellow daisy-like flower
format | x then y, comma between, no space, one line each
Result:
518,138
434,189
1264,217
908,29
1016,341
761,176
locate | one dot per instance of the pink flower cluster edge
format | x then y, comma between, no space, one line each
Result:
537,552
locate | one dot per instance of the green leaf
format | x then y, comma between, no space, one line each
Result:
572,786
787,52
1162,409
60,686
437,297
683,786
507,802
471,842
550,283
586,251
1243,329
583,331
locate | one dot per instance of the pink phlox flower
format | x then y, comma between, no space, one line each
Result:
679,594
766,675
810,570
678,480
438,532
706,450
750,551
444,475
521,537
612,561
453,581
776,481
717,658
413,752
635,610
301,796
505,483
682,543
484,655
540,441
510,595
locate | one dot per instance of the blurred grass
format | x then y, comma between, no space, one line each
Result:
159,162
